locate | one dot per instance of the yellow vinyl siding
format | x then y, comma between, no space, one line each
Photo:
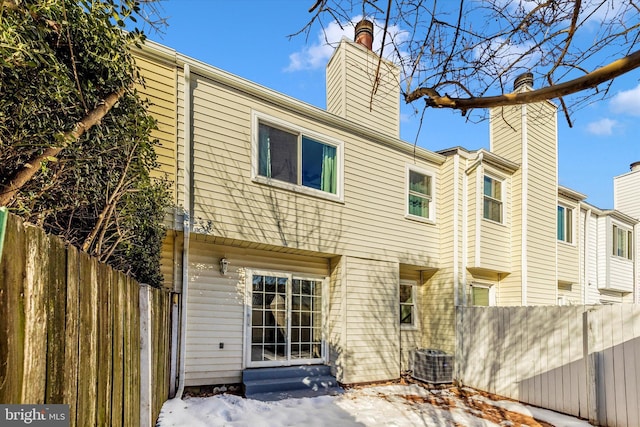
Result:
227,201
438,312
627,193
160,90
215,306
350,76
372,321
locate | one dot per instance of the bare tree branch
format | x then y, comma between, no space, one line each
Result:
593,79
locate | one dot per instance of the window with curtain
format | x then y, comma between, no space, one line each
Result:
565,224
492,199
420,194
622,242
295,158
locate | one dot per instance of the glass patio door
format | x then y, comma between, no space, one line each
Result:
285,320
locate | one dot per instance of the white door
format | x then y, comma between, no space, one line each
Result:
284,320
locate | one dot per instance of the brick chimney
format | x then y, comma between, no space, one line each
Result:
364,34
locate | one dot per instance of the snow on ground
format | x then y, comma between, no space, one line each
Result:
391,405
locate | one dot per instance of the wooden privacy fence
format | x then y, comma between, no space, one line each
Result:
579,360
70,333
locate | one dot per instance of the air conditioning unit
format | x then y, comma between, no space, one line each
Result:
432,366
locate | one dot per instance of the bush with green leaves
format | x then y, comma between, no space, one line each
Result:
87,162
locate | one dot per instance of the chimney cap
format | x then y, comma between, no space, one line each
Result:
523,79
364,33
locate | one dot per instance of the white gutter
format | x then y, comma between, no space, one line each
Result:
525,189
186,228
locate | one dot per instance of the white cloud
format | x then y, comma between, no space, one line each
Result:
627,102
602,127
318,54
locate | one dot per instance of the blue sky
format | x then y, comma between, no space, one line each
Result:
249,38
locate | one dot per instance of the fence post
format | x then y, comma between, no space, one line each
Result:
590,356
3,225
145,356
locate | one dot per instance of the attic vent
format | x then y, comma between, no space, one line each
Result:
432,366
523,79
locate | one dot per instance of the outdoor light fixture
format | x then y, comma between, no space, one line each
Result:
224,266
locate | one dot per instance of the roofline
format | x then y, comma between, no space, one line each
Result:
299,107
572,194
609,212
498,161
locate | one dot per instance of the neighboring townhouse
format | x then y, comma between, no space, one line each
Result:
311,236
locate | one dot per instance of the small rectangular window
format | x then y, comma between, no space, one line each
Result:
295,158
492,199
565,224
622,242
407,304
419,194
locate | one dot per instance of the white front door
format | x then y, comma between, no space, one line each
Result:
284,320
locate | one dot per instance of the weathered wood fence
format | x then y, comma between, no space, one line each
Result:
579,360
70,333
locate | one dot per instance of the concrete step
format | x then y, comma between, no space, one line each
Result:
285,372
295,394
289,383
292,381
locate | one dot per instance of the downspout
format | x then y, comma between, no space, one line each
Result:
525,189
186,225
585,273
456,237
465,235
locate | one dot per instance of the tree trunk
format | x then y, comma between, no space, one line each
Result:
30,169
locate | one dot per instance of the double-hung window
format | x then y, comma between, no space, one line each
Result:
420,185
294,159
407,304
565,224
493,206
622,242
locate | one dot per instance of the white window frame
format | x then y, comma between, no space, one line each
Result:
571,229
257,118
433,205
629,242
413,305
501,200
492,293
290,276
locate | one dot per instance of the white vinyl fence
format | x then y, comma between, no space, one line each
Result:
579,360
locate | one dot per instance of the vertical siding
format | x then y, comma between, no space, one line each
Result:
372,328
215,306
